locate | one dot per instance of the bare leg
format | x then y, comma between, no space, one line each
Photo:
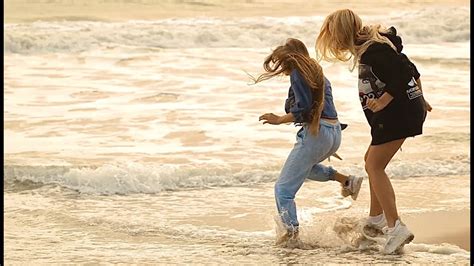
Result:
341,178
377,159
323,173
375,207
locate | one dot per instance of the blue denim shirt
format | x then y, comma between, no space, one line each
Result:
300,99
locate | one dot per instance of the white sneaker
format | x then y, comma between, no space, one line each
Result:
353,188
288,237
397,237
374,229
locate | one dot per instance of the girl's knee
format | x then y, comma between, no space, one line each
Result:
279,189
283,192
367,167
373,169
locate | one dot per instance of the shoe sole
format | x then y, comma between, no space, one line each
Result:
357,188
345,193
408,240
400,247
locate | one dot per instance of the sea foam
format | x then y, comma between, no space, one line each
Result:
131,177
432,25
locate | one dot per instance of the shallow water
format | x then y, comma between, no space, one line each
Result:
214,225
139,142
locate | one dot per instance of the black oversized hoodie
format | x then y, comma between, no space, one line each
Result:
382,69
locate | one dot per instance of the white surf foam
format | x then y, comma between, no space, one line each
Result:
430,25
130,177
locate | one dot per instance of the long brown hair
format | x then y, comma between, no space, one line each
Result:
343,37
294,55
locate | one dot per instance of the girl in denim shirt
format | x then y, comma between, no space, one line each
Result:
311,106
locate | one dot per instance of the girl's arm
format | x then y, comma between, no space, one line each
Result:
417,75
302,104
376,105
273,119
427,105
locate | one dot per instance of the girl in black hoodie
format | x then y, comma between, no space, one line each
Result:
392,100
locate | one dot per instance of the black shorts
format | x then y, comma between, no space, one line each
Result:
397,121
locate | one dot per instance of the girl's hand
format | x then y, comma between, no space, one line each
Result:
427,106
270,118
376,105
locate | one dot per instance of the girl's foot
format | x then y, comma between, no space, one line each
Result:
352,187
373,226
397,237
290,235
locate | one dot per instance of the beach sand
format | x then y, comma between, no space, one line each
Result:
432,225
442,227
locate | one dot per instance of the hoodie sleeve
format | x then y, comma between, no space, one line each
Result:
412,66
388,66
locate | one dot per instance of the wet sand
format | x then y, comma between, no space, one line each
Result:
438,227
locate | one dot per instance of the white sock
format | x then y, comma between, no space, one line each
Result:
376,219
396,223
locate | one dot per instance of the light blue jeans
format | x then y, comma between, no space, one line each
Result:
304,162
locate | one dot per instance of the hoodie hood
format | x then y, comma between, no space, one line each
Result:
392,36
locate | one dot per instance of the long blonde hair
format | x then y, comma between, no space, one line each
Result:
343,37
294,55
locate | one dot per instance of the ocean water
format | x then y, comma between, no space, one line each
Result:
139,141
